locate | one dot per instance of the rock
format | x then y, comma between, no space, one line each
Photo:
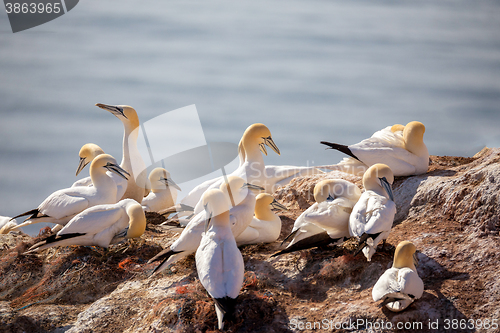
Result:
450,213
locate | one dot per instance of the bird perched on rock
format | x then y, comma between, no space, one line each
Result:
327,220
100,225
372,216
62,205
400,285
163,191
218,261
265,226
404,152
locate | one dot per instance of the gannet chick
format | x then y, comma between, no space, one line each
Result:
237,191
327,220
137,187
87,154
100,225
62,205
265,226
372,216
400,285
405,155
163,191
218,261
6,224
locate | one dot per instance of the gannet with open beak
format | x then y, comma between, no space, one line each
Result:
327,220
372,216
405,155
87,154
219,263
6,224
241,215
265,226
400,285
99,225
163,191
62,205
137,187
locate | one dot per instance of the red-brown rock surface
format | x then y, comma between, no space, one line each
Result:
451,214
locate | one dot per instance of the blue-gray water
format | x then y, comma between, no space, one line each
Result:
310,70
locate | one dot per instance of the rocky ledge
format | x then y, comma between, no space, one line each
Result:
450,213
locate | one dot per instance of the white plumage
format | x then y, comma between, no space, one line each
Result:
6,224
400,285
163,191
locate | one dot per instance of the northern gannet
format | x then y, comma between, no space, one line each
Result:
372,216
327,220
87,154
6,224
99,225
219,263
163,191
400,285
265,226
137,187
405,154
62,205
240,217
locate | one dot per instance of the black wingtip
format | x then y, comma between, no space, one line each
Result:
321,239
226,304
342,148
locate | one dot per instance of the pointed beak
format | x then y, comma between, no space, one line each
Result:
263,148
276,205
269,141
117,169
207,223
81,165
387,187
253,187
116,110
170,182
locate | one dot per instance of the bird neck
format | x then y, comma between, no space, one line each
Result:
100,178
414,142
221,220
264,213
251,149
137,223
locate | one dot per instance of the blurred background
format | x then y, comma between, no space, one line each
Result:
310,70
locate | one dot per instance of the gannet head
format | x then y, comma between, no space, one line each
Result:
405,256
413,136
160,180
216,204
125,113
329,189
137,220
264,203
261,135
87,154
107,162
379,176
236,188
397,128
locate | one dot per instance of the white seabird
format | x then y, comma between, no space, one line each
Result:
87,154
218,261
400,285
100,225
6,224
327,220
137,187
240,217
163,191
405,154
372,216
62,205
265,226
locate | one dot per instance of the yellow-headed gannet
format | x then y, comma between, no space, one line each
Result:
240,217
87,154
400,285
62,205
405,154
6,224
218,261
163,191
327,220
265,226
100,225
372,216
138,185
